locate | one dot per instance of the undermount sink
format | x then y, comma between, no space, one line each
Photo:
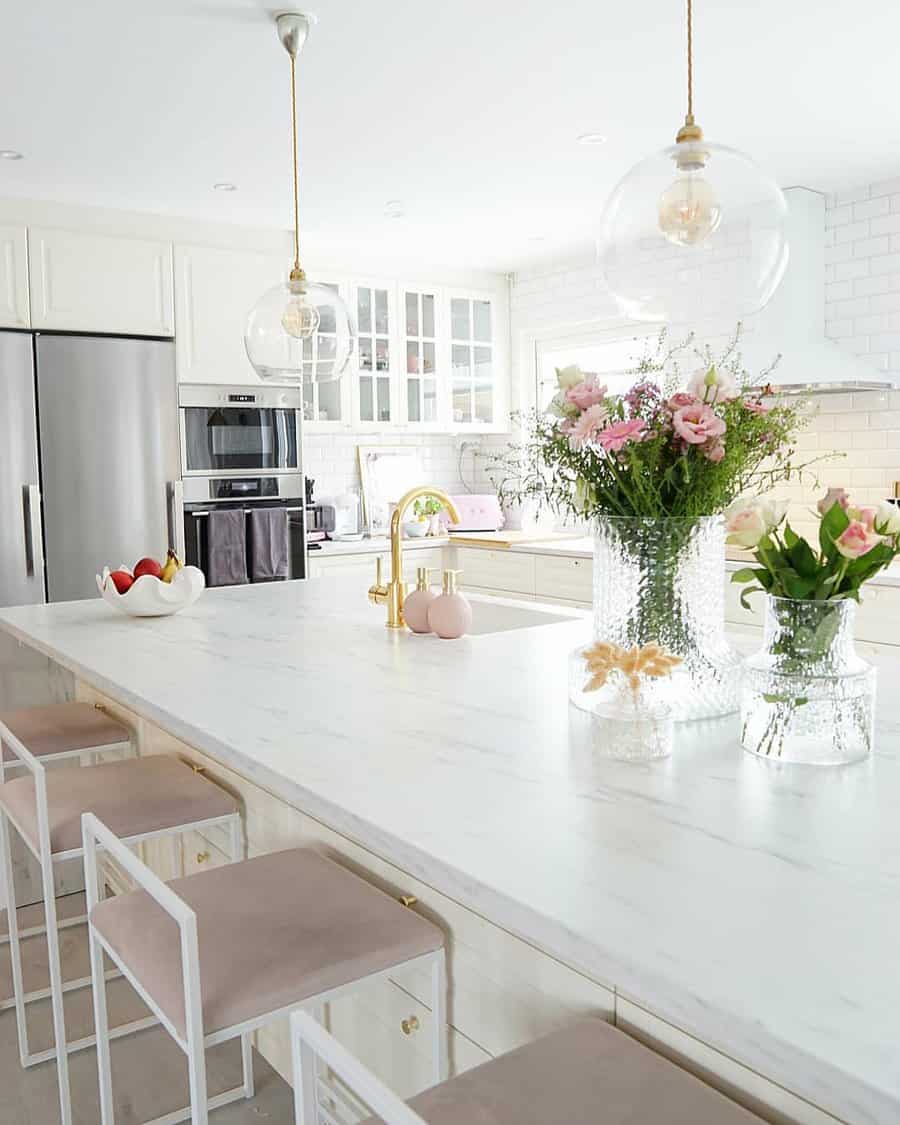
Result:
503,617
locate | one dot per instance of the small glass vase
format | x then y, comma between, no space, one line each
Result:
807,696
632,728
662,581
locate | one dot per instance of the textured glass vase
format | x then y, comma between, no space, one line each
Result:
663,581
807,696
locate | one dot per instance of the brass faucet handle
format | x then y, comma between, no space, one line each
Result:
378,594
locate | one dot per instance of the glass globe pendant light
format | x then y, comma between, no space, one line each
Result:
298,332
695,232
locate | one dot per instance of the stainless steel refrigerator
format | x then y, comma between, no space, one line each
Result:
89,461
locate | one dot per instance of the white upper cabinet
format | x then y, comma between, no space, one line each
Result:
478,362
423,359
89,282
215,289
375,369
14,311
327,406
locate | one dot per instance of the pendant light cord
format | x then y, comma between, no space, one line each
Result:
689,120
296,165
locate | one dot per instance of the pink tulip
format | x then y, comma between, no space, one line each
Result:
618,435
856,541
697,423
586,394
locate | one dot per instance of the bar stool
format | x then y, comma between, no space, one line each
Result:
586,1074
52,733
145,799
218,954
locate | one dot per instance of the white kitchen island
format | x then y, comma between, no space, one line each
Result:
743,916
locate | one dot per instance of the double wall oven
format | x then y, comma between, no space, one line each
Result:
241,448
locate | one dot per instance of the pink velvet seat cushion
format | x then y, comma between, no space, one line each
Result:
60,728
587,1074
131,797
272,932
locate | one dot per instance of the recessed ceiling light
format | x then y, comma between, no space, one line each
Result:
394,209
592,139
537,238
224,186
9,154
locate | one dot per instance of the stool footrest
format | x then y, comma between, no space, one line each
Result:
45,993
178,1115
91,1040
38,931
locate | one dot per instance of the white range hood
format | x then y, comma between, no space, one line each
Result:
793,322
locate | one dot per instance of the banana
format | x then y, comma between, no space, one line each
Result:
172,566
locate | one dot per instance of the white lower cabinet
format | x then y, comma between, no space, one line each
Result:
772,1102
496,570
321,563
562,578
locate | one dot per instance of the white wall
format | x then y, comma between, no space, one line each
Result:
862,314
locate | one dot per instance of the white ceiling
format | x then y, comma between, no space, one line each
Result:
467,112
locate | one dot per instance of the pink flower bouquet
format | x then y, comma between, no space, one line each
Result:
656,450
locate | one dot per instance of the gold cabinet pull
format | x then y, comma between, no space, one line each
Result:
202,857
409,1025
408,900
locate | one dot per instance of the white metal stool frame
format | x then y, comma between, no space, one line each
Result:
67,923
46,858
311,1042
194,1042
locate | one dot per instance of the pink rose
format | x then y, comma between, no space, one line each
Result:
681,399
865,516
585,428
714,450
697,423
586,394
833,496
756,406
618,435
856,541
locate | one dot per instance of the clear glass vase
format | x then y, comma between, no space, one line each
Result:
807,696
663,581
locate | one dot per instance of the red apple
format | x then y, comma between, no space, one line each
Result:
147,566
122,580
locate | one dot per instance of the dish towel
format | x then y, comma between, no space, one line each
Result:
226,553
268,544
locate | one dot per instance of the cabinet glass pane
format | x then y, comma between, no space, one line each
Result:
364,310
381,310
412,401
384,400
329,402
461,354
412,314
412,358
382,358
366,403
365,354
428,314
430,389
482,319
309,405
484,385
462,401
459,318
428,359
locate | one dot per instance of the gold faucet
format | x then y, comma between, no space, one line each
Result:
393,594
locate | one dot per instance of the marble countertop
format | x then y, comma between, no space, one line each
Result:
754,905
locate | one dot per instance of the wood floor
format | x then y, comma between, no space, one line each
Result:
149,1072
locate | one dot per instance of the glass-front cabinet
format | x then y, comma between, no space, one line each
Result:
473,389
375,359
326,405
423,369
427,358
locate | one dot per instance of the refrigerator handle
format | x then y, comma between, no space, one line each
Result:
34,537
175,496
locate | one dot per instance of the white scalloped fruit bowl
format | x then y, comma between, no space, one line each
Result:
149,597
